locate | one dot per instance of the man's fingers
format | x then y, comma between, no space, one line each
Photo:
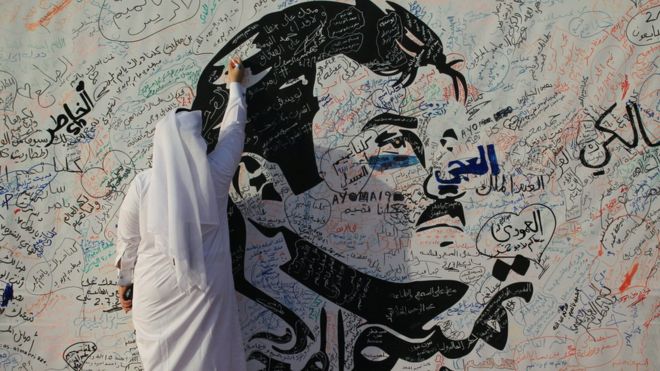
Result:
234,62
234,70
127,305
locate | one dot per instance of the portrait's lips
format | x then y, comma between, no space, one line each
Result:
443,213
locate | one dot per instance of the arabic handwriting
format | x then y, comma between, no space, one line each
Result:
499,183
632,119
73,122
460,169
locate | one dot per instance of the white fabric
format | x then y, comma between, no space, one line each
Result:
177,330
179,200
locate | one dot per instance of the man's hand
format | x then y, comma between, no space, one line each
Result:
235,70
127,305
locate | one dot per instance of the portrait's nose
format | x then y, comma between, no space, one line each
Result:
439,182
437,190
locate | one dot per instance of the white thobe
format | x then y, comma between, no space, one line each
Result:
177,330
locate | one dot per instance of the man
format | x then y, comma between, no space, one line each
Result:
351,136
173,244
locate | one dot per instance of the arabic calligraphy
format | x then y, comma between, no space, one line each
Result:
593,152
73,121
491,327
460,169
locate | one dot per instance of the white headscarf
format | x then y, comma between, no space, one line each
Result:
181,195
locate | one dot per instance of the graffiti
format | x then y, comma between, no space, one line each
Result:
507,234
424,185
77,121
595,153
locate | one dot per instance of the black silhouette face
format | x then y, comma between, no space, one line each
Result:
386,156
395,173
353,157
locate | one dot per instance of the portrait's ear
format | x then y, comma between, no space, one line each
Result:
259,190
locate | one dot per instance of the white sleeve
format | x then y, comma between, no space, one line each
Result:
227,153
128,234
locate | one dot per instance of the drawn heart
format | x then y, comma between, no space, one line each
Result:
77,354
527,233
25,91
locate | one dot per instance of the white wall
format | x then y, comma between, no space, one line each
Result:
540,76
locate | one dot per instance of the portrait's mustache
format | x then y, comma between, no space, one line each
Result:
441,207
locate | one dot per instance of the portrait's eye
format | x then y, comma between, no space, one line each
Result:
395,151
390,139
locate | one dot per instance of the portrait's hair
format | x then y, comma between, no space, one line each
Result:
290,42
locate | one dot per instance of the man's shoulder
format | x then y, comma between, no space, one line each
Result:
142,178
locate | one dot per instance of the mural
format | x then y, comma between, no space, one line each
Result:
425,185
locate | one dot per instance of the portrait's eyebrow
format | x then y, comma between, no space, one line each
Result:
406,122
